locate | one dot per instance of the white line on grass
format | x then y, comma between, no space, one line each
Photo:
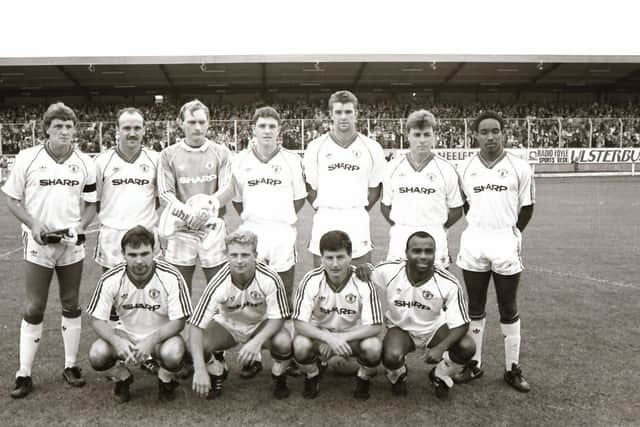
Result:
583,277
19,248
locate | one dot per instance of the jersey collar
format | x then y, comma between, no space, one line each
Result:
124,157
488,164
415,284
262,158
340,286
203,147
56,159
419,167
141,285
243,286
345,146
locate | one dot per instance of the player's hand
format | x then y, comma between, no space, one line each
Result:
325,351
197,220
144,349
433,355
125,350
249,352
201,382
363,271
339,346
37,231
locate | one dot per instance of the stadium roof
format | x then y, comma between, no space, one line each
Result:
95,76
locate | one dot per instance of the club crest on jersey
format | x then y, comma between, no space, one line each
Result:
209,165
255,295
74,168
427,295
144,167
351,298
276,169
503,173
154,293
430,177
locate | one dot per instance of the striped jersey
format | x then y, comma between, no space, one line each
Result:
353,303
420,308
267,187
243,309
420,195
52,190
185,171
142,310
342,176
496,191
127,189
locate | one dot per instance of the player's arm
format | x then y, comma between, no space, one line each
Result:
89,210
386,213
373,195
453,216
338,345
526,212
360,332
16,207
298,204
311,194
434,354
239,207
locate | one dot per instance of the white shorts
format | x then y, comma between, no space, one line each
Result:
354,222
185,248
108,252
398,235
240,335
276,244
420,341
491,250
53,255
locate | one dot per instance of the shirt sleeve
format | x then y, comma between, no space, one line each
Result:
310,164
178,300
103,298
387,188
303,303
166,180
371,309
377,168
276,298
456,312
224,172
99,177
213,294
16,183
299,189
453,192
89,193
526,192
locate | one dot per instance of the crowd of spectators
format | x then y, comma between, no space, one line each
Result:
527,124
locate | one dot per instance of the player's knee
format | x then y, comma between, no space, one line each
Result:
392,356
281,344
302,349
101,355
462,351
172,353
371,350
34,312
508,311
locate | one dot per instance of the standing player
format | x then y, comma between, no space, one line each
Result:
126,186
426,311
193,169
499,189
152,301
343,170
52,192
245,303
420,191
336,313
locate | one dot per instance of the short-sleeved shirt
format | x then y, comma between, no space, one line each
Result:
142,310
267,187
496,191
422,195
52,190
351,304
127,189
185,171
420,308
243,309
342,176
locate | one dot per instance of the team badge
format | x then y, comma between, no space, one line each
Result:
351,298
209,165
255,295
431,177
276,169
154,293
503,173
74,168
144,167
427,295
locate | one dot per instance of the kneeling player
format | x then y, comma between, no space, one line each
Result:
244,303
426,310
152,300
336,313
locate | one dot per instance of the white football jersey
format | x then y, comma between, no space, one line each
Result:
52,191
496,191
420,308
420,196
342,176
267,187
127,189
354,303
143,310
242,309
